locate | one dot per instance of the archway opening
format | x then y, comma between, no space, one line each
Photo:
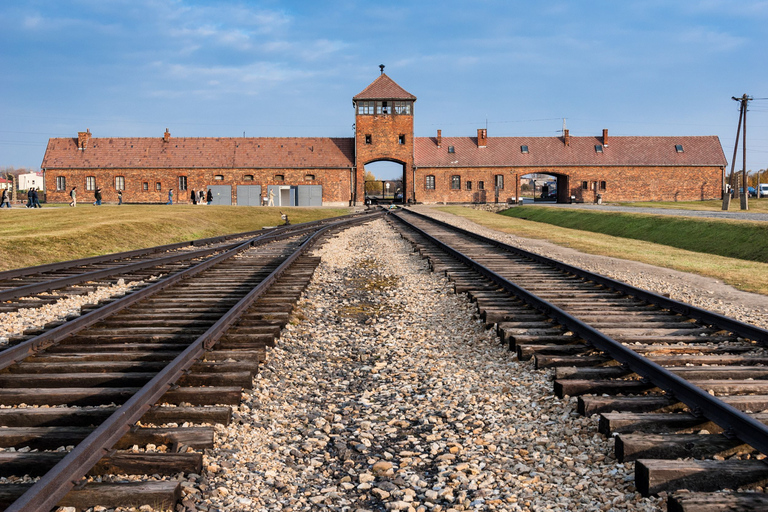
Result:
384,182
544,188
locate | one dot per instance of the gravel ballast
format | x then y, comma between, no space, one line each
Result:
387,393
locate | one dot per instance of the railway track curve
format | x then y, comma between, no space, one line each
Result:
79,399
681,389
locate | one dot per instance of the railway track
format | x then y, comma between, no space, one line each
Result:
34,287
681,389
118,391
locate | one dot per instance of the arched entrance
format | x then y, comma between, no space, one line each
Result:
384,182
545,187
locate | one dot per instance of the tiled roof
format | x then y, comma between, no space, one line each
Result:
204,152
384,88
552,152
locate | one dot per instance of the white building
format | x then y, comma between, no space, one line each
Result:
32,179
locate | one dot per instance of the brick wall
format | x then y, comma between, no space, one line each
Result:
621,184
335,182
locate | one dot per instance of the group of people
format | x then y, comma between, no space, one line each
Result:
201,197
33,201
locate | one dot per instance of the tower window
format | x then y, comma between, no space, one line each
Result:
401,139
402,107
383,107
368,138
455,182
365,107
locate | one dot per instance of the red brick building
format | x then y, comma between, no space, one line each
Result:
310,171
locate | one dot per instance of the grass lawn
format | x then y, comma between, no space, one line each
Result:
743,274
53,233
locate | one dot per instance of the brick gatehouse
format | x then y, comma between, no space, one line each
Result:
314,171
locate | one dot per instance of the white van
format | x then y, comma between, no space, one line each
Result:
763,190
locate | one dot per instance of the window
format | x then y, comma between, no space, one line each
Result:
430,183
499,180
219,177
584,185
468,185
90,183
368,139
402,107
248,177
383,107
480,185
598,148
182,183
401,139
309,177
365,107
158,187
451,149
61,183
145,186
602,185
524,149
119,182
279,177
679,148
455,182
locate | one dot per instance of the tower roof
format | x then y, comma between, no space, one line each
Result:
384,88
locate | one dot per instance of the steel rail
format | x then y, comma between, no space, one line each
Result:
740,328
55,284
16,353
54,485
732,420
61,265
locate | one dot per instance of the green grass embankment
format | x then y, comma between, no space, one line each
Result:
733,239
38,236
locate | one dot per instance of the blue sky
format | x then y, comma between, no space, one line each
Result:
291,68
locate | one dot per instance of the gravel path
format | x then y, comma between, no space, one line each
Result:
733,214
387,393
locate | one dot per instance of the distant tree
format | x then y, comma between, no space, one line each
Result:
371,186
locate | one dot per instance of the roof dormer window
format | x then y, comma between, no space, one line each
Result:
598,148
524,149
679,148
451,149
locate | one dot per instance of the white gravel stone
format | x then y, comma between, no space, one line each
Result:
391,395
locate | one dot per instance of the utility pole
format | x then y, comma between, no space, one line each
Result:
734,181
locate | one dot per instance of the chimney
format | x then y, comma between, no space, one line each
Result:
167,136
482,137
439,137
605,137
83,138
566,137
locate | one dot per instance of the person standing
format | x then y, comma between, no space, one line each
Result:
73,195
97,197
209,197
202,198
5,200
119,197
193,197
271,198
29,198
170,196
